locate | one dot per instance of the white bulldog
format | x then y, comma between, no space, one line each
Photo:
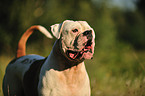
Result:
62,73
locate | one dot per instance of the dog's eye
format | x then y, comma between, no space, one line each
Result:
75,30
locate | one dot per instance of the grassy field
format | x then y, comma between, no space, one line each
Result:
4,60
114,72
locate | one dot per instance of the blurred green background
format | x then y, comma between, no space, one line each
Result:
118,67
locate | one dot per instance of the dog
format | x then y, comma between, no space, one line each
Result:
62,73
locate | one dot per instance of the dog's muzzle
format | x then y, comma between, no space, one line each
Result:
83,47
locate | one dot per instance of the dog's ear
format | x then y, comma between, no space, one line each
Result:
55,29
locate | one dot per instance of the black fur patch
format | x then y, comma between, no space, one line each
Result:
25,61
31,78
13,61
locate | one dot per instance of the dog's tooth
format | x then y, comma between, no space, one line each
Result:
85,49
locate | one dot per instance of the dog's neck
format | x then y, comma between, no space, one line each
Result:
59,55
72,75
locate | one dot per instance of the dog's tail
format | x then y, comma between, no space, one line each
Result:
21,50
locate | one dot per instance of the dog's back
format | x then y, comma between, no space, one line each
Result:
16,73
15,78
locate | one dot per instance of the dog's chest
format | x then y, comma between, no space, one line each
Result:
56,83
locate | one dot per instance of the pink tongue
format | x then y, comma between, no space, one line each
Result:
73,56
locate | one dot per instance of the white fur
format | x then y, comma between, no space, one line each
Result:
54,83
55,29
44,31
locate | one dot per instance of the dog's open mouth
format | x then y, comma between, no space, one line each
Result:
79,54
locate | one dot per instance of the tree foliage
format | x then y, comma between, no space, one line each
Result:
110,24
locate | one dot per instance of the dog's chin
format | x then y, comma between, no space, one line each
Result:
84,53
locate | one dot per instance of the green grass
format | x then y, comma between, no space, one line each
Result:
118,71
4,60
114,72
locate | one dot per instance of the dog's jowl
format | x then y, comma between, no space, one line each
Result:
62,73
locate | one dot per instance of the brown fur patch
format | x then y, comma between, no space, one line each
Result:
31,78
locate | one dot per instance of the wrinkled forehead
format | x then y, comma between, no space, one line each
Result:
85,25
81,25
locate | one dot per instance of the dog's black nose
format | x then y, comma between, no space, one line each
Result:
87,32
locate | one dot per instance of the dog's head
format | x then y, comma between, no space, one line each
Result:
77,39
